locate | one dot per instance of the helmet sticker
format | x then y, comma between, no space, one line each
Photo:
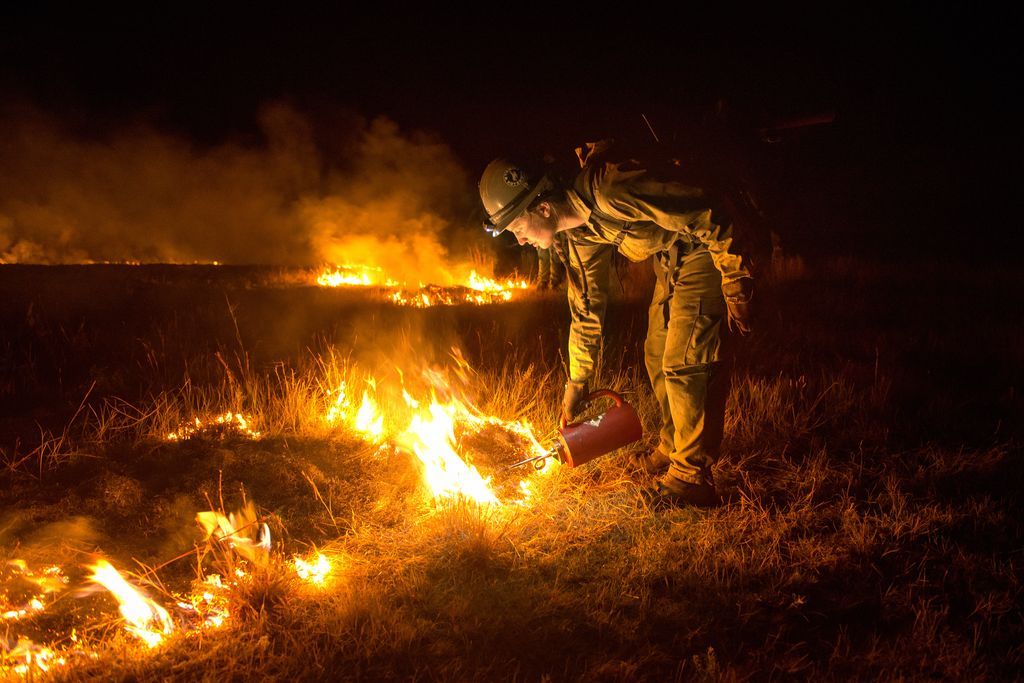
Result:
514,177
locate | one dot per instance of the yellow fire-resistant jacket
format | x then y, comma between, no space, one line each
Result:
641,212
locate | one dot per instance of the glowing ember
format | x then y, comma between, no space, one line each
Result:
314,572
23,590
241,531
208,602
145,619
26,655
221,425
470,289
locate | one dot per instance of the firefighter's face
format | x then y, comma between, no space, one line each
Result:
535,227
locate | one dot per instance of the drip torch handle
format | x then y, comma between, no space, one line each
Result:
600,393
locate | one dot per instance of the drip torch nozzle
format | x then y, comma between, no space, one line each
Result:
538,460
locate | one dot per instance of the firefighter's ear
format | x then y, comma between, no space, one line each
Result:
543,209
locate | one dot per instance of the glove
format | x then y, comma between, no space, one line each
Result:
574,399
738,295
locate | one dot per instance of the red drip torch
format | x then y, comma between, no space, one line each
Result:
581,442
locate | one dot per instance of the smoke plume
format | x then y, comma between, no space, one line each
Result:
381,196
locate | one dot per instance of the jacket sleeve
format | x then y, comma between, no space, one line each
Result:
630,192
587,268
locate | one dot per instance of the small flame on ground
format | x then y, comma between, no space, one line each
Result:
206,606
208,602
145,619
34,587
339,407
228,422
26,655
367,420
315,571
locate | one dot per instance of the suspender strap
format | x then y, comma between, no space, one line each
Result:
672,262
621,234
574,268
584,288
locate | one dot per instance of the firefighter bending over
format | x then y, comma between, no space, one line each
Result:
641,211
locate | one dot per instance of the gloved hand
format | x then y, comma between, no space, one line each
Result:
574,399
738,295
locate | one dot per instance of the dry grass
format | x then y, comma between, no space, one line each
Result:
872,525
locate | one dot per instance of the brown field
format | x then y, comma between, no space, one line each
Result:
872,527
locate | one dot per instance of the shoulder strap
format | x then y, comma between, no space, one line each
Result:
606,221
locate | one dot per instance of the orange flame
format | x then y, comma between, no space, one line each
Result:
431,437
208,601
28,654
34,587
427,429
354,276
367,420
472,288
315,571
228,421
145,619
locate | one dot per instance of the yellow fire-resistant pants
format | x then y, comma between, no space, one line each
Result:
685,361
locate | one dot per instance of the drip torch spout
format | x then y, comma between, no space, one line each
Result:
539,460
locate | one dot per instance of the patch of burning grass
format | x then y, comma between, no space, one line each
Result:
847,548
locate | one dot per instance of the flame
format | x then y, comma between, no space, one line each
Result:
315,572
219,425
208,601
339,407
354,276
431,437
367,420
146,619
485,284
427,424
28,654
472,288
427,429
241,531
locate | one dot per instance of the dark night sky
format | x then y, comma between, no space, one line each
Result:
917,138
